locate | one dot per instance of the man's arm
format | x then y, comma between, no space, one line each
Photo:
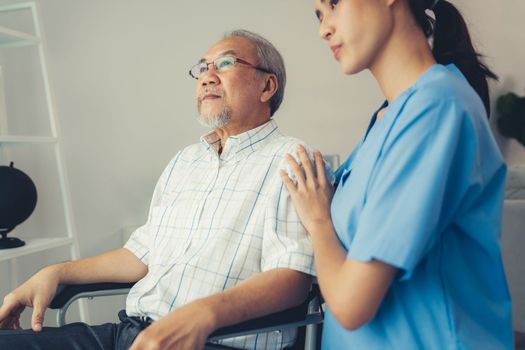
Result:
118,265
188,327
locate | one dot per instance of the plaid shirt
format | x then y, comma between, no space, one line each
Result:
215,221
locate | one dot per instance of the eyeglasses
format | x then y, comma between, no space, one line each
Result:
221,64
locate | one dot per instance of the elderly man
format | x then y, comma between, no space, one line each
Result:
222,242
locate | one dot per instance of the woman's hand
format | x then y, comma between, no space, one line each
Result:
312,194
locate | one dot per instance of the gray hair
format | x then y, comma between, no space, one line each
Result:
270,59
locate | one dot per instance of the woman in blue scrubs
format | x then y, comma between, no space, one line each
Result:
407,253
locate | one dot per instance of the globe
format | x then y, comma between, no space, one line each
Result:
18,199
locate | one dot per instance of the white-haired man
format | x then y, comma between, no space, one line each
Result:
222,243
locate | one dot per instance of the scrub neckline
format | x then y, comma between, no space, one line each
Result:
403,95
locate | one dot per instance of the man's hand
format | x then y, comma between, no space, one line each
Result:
186,328
119,265
37,292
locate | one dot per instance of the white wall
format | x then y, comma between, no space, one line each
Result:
498,30
125,100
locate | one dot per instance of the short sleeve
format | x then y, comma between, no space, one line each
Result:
416,184
140,240
286,243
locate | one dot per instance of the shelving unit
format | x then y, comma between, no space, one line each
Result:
27,139
13,39
35,245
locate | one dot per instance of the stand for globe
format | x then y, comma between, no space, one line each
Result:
11,242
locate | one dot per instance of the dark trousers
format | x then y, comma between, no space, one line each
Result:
79,336
76,336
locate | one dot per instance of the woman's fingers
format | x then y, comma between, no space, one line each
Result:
296,169
287,181
319,165
307,165
306,172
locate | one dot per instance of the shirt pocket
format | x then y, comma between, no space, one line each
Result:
344,176
353,182
347,173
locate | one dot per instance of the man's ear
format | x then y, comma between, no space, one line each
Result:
270,88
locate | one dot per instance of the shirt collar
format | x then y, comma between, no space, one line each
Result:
242,144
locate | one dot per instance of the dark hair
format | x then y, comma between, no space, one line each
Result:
452,43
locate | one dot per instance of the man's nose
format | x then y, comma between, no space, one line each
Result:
209,77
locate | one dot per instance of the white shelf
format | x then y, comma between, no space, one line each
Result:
26,13
34,245
27,139
10,38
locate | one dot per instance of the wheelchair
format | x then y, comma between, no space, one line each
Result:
307,317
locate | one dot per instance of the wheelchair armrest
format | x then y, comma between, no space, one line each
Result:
66,292
308,312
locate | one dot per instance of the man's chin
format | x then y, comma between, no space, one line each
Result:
213,121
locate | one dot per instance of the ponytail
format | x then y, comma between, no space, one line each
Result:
452,43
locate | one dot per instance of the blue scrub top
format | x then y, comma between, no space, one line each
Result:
423,192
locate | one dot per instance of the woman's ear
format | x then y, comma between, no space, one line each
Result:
270,88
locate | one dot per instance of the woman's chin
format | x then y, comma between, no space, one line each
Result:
350,68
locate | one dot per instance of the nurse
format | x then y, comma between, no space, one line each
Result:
407,253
